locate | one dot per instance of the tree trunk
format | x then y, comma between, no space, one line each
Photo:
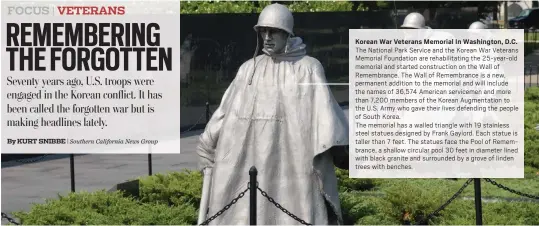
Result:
505,16
495,12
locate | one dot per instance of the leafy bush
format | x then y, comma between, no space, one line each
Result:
461,212
320,6
109,208
410,196
351,184
360,209
174,198
206,7
532,94
531,120
175,188
200,7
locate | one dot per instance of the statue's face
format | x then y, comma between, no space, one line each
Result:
274,39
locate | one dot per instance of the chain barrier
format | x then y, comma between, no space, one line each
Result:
270,199
196,124
227,206
442,207
510,189
265,194
9,219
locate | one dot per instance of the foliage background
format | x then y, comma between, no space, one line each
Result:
197,7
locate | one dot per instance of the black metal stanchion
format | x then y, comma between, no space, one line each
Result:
478,204
150,159
72,171
531,74
150,164
207,111
252,204
535,39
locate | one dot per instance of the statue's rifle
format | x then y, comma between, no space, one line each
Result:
205,199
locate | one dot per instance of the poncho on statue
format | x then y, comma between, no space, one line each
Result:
283,128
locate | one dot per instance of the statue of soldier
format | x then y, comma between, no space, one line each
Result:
414,21
415,29
417,21
278,115
478,25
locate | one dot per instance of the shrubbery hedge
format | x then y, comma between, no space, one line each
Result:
174,198
164,200
531,120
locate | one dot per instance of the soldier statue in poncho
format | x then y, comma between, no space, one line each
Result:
279,115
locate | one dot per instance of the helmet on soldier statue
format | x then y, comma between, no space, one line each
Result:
478,25
276,16
414,20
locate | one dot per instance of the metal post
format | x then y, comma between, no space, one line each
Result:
72,169
207,111
150,164
478,204
505,16
531,75
150,159
534,38
252,173
527,39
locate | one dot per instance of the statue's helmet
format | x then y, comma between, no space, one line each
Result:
478,25
414,20
276,16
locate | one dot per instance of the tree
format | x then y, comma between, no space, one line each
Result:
197,7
